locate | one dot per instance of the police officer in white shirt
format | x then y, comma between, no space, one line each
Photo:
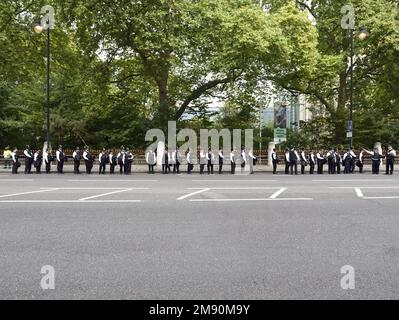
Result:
60,157
320,161
390,160
202,161
37,161
312,162
304,161
252,161
243,160
274,161
190,165
233,161
76,160
151,159
287,161
221,161
15,161
28,160
210,157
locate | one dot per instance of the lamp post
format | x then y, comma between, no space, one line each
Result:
362,36
46,24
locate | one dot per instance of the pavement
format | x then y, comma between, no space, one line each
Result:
143,236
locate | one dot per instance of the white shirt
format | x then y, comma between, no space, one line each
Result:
221,155
297,155
319,156
303,156
85,155
57,154
287,156
232,157
244,156
312,157
188,157
392,152
13,154
352,154
45,157
251,155
99,157
110,157
27,154
35,156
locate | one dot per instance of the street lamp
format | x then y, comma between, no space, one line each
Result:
46,24
362,35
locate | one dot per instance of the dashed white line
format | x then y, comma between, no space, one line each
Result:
275,195
104,194
259,199
359,192
192,194
30,192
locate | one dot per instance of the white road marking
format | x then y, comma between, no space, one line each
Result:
239,188
260,199
380,197
110,180
94,188
16,180
355,180
193,193
30,192
69,201
233,180
359,192
275,195
104,194
364,187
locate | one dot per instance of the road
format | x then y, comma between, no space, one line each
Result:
199,237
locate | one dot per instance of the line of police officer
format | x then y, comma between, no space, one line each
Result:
334,159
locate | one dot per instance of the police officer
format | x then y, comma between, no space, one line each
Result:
360,162
102,159
312,162
128,161
47,160
37,161
150,158
376,160
252,161
287,161
338,161
28,160
202,161
390,160
113,161
60,159
320,161
120,157
233,161
352,160
165,162
210,157
304,161
190,164
347,160
176,158
274,161
15,161
294,157
243,160
221,160
88,158
76,160
331,161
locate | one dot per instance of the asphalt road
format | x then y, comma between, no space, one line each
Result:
199,237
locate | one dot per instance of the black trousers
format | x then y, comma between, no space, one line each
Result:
28,165
311,168
210,168
89,166
76,165
347,166
121,168
111,168
176,167
338,168
376,166
389,166
220,167
274,166
128,167
352,166
165,168
303,167
319,167
151,168
190,168
202,167
60,166
102,168
361,168
15,167
233,168
38,169
294,165
48,167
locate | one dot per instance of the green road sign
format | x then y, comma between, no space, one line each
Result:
280,135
